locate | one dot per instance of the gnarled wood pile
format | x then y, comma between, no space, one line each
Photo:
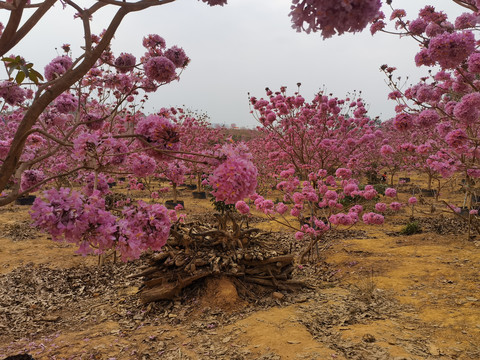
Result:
195,251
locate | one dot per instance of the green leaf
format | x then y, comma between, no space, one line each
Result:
33,77
37,74
20,77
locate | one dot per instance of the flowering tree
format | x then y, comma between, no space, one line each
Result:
197,135
323,134
444,104
352,15
316,205
175,172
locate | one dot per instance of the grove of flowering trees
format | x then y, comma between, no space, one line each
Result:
82,120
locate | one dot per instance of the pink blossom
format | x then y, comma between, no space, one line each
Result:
125,62
473,212
381,207
417,26
332,16
412,200
475,173
343,173
142,165
356,208
299,235
66,103
84,143
423,58
342,219
101,188
295,212
177,56
331,195
12,93
427,118
403,121
175,172
30,178
160,69
450,50
349,189
369,194
234,180
298,198
153,40
390,192
474,63
454,208
57,67
373,219
242,207
468,108
395,206
466,20
456,138
281,208
159,132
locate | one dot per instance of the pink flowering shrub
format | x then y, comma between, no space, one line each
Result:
69,216
440,114
326,133
319,202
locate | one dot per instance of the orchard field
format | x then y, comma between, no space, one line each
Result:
323,233
375,293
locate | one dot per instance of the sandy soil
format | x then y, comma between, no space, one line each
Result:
376,294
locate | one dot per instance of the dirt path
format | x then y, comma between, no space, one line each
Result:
387,297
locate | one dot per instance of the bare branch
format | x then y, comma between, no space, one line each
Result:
11,28
30,23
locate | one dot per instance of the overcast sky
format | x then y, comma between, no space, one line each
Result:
244,47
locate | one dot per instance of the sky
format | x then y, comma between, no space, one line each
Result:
243,48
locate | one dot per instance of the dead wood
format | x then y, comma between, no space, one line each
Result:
169,291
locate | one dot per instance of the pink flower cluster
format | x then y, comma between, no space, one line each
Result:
373,219
160,69
215,2
175,172
57,67
125,62
390,192
242,207
66,103
12,93
449,50
160,133
102,184
68,216
234,180
343,219
144,227
30,178
142,165
332,16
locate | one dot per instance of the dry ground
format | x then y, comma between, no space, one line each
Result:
376,294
